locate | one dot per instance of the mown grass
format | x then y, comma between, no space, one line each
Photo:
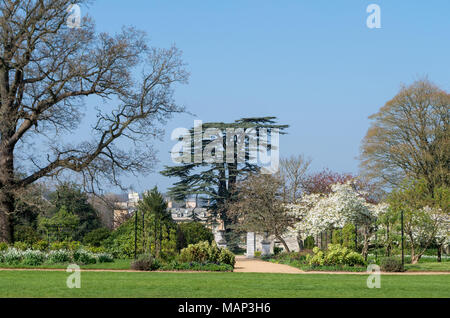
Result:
428,267
217,285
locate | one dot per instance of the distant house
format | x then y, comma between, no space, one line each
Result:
124,207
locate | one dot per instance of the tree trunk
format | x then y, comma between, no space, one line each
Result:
6,193
414,257
388,247
283,242
439,253
301,244
6,224
366,244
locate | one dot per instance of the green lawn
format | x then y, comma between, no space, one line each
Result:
221,285
428,267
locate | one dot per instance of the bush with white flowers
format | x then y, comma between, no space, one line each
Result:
343,205
32,257
12,256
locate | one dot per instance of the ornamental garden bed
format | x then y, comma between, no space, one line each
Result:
16,258
203,256
340,259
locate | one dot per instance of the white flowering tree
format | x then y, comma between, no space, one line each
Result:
343,205
426,216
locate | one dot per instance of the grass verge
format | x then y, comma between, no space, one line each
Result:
220,285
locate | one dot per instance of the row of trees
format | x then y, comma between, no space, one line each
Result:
408,142
405,160
65,213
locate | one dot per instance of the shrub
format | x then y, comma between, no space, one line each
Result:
317,259
391,264
96,237
84,257
56,246
258,254
33,257
3,246
40,245
21,246
96,250
277,250
192,233
204,252
335,255
214,253
145,263
12,256
354,258
292,256
195,253
26,233
72,246
226,257
309,243
105,258
59,256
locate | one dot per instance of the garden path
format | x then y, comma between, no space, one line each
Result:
252,265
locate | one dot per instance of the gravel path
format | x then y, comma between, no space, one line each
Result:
251,265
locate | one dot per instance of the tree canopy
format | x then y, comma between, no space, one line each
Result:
410,137
47,70
217,180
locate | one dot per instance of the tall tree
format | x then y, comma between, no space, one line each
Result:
293,172
154,206
75,201
259,207
410,137
217,180
47,69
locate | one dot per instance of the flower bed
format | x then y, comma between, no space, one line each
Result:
203,256
30,257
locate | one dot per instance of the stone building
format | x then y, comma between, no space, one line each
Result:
192,209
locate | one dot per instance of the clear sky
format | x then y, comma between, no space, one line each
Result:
314,64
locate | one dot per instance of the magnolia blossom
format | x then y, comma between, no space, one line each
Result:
438,224
323,212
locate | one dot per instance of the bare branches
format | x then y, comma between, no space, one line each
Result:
410,136
54,68
293,172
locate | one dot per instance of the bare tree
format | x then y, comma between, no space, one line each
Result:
293,172
46,72
105,206
259,207
410,137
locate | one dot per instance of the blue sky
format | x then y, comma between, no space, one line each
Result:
314,64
